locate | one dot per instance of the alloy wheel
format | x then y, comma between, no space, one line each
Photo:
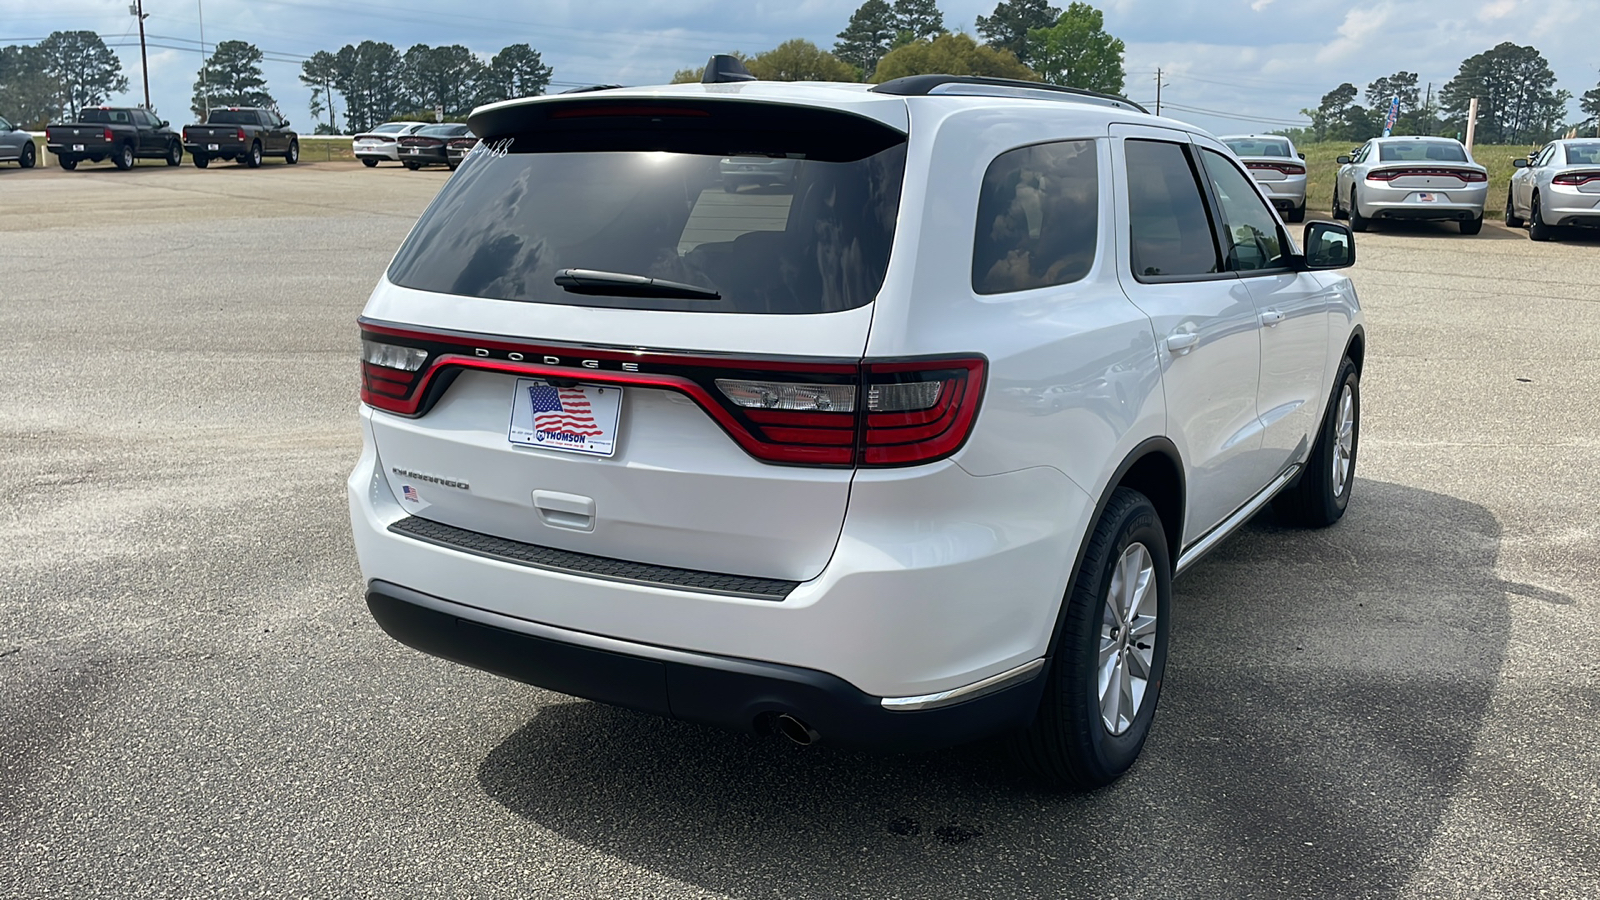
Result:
1344,443
1127,638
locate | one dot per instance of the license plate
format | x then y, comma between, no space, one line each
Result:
581,419
1426,197
77,148
414,151
211,146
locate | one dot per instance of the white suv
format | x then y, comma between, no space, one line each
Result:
902,453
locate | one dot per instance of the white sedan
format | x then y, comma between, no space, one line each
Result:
382,143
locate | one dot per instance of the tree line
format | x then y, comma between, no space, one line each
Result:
1518,103
1025,39
60,75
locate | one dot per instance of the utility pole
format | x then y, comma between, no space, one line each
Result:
1158,90
1472,123
205,61
137,9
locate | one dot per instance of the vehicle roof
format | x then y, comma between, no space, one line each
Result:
1404,138
844,96
1254,137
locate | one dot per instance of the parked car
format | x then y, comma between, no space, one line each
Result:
756,170
244,134
1278,167
120,134
1417,178
16,145
456,149
788,473
429,146
1556,188
381,143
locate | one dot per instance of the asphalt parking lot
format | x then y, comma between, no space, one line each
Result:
194,701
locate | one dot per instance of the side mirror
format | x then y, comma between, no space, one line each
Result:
284,124
1302,155
1343,160
1329,245
164,124
1520,163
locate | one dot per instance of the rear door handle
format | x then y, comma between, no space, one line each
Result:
1181,342
1271,317
573,512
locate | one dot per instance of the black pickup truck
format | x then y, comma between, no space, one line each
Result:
120,134
243,133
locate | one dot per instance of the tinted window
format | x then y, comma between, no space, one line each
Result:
1421,151
1258,146
1166,216
444,130
1038,218
104,116
1251,230
5,126
520,210
233,117
1586,153
390,128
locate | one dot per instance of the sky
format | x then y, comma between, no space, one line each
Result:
1229,66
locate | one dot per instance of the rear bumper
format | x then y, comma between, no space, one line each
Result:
223,149
390,152
1383,202
737,694
1287,194
1568,206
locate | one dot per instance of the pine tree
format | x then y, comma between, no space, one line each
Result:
868,36
1007,28
918,19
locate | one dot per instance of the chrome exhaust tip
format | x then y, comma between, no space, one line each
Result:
796,730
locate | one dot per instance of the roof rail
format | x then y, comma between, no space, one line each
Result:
924,85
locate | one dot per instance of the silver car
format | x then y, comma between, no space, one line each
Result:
17,146
1426,178
383,142
1557,187
1277,167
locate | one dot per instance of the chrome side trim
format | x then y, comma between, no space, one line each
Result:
965,692
1230,524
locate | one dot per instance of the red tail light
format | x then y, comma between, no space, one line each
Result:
1467,175
108,136
792,412
241,136
1285,168
1575,178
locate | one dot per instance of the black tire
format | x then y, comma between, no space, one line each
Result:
124,157
1069,743
200,162
1358,222
293,156
1296,215
174,154
1512,219
1337,210
453,165
29,156
1537,229
254,159
67,162
1318,498
411,165
369,162
1471,226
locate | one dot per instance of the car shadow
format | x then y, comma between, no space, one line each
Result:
1323,694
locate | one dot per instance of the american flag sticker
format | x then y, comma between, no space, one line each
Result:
409,493
579,419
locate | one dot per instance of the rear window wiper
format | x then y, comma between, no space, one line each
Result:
621,284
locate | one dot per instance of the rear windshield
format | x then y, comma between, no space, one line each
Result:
233,117
1258,147
1420,151
443,130
1586,153
390,128
806,230
105,116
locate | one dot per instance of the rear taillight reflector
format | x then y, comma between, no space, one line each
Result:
108,135
241,135
1466,175
1575,178
794,412
1285,168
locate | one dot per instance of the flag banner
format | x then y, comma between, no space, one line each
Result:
1394,113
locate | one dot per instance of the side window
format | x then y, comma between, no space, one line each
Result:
1171,233
1249,226
142,119
1546,156
1038,218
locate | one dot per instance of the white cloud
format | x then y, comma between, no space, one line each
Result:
1359,26
1259,5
